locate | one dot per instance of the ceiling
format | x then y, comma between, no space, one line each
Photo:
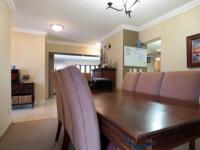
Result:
85,21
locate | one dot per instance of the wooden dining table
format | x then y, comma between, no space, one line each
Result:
143,122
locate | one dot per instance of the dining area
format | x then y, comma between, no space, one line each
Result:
152,111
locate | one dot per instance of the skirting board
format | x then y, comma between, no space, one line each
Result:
5,129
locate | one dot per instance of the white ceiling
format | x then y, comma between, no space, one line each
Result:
85,21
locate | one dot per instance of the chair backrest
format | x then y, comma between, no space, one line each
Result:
130,81
76,92
149,83
66,109
59,102
183,85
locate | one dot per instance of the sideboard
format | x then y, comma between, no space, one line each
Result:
23,93
109,73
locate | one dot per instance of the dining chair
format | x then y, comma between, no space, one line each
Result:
150,83
59,104
184,85
81,122
130,81
66,113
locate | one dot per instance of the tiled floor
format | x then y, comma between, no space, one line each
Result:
43,111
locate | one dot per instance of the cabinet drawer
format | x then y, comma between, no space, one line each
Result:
15,100
25,91
27,86
25,99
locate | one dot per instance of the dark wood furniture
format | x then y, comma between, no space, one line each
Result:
143,122
15,76
23,93
109,73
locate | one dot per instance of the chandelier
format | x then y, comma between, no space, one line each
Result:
126,6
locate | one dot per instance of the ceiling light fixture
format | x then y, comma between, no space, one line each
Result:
57,27
98,45
127,6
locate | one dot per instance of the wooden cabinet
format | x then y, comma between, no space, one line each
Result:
109,73
23,93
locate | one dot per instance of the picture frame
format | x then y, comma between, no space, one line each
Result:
193,51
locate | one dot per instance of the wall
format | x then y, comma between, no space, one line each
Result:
173,33
129,39
115,53
66,49
5,88
28,54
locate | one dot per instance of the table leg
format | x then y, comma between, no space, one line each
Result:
192,144
133,146
149,148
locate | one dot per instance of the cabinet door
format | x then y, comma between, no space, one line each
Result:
27,99
96,74
15,100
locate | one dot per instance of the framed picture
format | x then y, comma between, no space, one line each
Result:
193,51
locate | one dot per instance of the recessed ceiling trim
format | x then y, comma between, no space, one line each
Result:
28,31
11,4
132,28
117,29
70,43
171,14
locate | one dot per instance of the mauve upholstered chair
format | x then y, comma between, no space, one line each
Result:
130,81
68,130
149,83
59,104
85,134
183,85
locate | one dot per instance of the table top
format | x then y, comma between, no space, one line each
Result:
144,115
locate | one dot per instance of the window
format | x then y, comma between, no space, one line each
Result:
86,68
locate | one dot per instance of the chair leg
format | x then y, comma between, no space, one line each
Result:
58,130
192,144
66,141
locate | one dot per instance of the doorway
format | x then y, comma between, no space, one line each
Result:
154,56
59,61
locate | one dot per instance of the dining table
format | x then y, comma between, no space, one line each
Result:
135,121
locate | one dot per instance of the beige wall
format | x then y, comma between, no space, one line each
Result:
5,88
67,49
115,53
130,38
28,54
173,33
